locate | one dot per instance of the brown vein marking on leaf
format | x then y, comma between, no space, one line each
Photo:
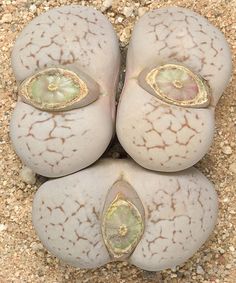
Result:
171,219
212,46
160,237
184,143
95,213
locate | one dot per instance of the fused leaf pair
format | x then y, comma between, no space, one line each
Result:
178,66
66,62
116,210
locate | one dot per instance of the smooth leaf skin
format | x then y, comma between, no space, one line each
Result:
158,135
180,212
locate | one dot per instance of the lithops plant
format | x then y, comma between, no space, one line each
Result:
124,212
66,63
165,118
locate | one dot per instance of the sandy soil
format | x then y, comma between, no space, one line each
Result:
22,257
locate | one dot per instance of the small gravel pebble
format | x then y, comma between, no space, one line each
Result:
128,11
27,175
232,167
33,8
3,227
7,18
200,270
107,3
142,11
227,150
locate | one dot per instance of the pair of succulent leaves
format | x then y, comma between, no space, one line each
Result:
59,89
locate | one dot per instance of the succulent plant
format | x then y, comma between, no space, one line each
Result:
165,117
116,210
66,62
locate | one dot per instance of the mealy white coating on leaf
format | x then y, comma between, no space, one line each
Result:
180,213
158,135
80,38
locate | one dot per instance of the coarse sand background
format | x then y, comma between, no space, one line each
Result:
22,257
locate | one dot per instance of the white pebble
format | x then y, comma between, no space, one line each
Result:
3,227
27,175
107,3
231,248
119,19
141,11
200,270
36,246
227,150
7,18
128,11
125,35
232,167
222,251
33,8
